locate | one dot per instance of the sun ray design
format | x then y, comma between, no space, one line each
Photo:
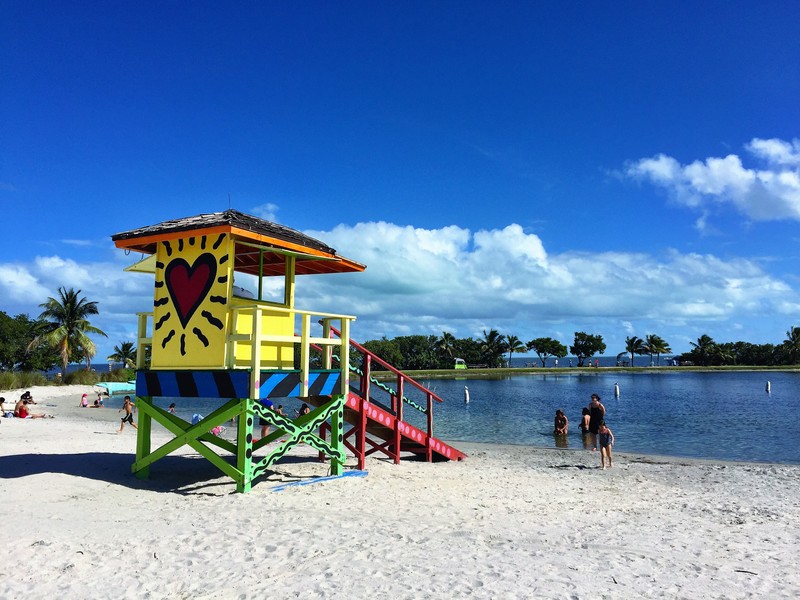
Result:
191,297
203,339
212,319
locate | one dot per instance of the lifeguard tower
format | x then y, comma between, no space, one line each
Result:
207,340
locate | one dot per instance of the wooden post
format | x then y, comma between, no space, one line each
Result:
244,445
337,437
255,354
361,434
428,451
398,419
327,350
305,352
144,423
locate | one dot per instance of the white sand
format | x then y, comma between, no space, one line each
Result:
509,522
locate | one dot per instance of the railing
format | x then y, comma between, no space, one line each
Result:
259,340
398,398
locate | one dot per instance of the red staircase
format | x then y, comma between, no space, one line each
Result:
375,412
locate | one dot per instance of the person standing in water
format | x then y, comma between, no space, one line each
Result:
597,413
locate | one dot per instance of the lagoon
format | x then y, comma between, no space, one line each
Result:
707,415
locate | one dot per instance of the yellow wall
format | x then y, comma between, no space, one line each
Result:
273,355
192,293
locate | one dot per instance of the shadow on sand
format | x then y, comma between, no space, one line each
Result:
176,474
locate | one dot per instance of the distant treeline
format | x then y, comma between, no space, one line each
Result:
494,350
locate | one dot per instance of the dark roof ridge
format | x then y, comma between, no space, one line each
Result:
231,217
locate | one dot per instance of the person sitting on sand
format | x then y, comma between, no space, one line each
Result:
172,408
84,401
606,440
304,410
560,423
21,411
128,407
279,410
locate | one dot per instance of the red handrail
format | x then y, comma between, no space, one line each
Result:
388,367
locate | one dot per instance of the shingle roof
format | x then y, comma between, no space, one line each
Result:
230,217
144,239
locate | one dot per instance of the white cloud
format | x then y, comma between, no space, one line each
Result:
771,193
18,285
425,281
266,211
506,280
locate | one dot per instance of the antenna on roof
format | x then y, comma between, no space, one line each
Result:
229,200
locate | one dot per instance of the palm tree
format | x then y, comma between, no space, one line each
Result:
656,345
792,344
66,326
445,343
634,345
125,353
514,344
704,348
493,346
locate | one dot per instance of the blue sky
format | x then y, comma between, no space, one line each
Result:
539,168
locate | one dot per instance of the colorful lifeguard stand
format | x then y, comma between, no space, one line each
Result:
208,341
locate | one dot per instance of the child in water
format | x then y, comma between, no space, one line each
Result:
605,440
560,423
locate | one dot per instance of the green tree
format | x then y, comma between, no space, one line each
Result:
655,344
493,346
444,345
545,346
586,345
514,344
468,349
16,335
66,326
703,350
792,345
124,353
387,350
634,345
418,351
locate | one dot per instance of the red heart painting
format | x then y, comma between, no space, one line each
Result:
188,285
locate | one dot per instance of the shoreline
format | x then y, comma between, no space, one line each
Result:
500,373
509,521
70,411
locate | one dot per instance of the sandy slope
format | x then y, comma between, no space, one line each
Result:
509,522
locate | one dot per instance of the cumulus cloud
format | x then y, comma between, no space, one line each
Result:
425,281
266,211
762,194
505,279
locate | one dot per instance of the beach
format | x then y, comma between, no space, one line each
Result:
507,522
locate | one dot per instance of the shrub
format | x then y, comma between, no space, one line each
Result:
81,377
28,379
120,375
8,381
12,380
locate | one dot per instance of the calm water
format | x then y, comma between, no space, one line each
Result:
702,415
725,416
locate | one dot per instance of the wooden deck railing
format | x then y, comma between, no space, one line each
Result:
259,339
